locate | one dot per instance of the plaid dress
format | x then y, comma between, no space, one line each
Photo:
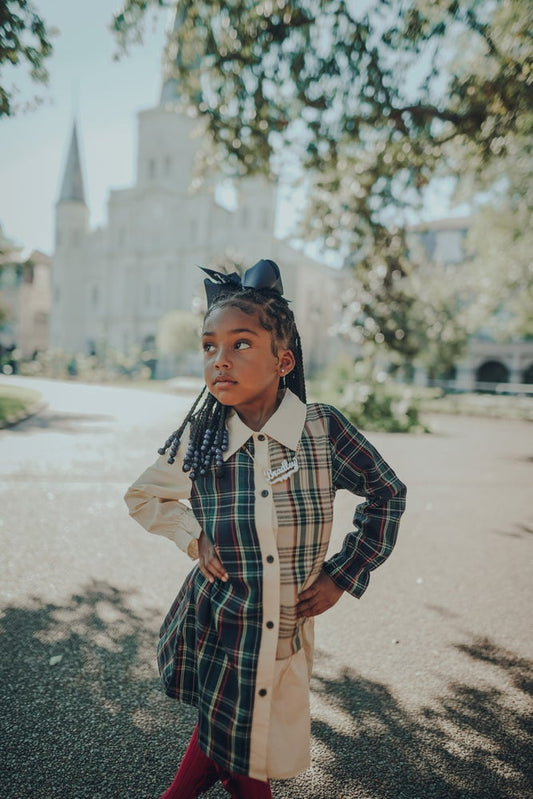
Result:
221,643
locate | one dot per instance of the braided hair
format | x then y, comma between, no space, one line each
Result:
208,434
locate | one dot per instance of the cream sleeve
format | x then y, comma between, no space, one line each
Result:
155,500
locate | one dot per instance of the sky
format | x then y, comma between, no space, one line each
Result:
104,96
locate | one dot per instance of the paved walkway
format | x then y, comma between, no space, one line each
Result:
420,689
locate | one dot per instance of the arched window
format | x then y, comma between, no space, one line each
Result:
492,372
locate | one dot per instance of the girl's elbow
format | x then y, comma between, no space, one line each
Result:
134,500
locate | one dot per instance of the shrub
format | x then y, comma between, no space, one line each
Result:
107,366
369,398
16,402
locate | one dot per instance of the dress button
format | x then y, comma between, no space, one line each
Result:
261,437
264,493
270,558
270,624
263,692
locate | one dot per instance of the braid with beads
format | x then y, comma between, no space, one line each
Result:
208,434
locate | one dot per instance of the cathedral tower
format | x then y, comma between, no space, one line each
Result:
113,286
68,322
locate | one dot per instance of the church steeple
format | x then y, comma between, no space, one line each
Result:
72,189
170,92
68,320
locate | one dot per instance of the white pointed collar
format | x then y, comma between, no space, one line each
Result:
285,425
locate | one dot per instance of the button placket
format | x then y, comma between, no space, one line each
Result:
266,530
261,461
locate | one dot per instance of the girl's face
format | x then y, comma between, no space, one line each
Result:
240,367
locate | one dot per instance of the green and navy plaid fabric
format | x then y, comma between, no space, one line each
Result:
211,636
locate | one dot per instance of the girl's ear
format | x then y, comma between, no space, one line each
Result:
287,362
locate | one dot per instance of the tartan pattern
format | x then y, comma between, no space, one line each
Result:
358,467
210,639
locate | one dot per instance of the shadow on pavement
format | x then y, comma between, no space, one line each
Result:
473,743
64,422
83,717
94,724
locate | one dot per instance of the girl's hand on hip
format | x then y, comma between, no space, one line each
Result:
209,563
320,596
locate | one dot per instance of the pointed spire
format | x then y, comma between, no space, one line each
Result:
170,92
72,187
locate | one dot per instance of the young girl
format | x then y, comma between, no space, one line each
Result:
260,468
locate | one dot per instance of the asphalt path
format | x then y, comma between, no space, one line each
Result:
421,689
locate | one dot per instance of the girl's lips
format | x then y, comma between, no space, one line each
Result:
224,381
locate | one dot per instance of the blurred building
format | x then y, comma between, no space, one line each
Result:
488,364
112,285
25,298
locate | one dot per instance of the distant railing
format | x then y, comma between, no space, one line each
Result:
516,389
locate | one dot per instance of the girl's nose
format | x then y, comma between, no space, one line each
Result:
222,359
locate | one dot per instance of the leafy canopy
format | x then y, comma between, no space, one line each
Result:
373,100
24,40
391,86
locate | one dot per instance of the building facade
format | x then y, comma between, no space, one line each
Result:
112,285
25,299
490,365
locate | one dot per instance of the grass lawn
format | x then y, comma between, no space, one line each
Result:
15,400
500,406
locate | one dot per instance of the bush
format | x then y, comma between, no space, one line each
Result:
16,402
108,366
369,398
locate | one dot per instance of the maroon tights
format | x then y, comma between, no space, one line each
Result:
197,773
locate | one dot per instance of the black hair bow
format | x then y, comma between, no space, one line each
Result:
264,274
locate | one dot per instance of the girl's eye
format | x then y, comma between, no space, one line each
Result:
209,346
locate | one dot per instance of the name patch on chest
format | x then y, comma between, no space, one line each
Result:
282,472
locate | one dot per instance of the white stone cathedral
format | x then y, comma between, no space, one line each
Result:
112,285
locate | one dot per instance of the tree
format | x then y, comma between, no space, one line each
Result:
373,105
178,333
24,39
501,243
